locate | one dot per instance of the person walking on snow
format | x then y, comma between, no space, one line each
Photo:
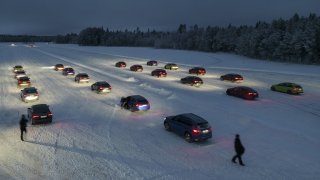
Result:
23,126
239,150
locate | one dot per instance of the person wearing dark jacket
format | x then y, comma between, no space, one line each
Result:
23,126
239,150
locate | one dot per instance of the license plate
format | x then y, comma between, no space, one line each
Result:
43,116
205,131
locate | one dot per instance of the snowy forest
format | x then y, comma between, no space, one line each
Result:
295,40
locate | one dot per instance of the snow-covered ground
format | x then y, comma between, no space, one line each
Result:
92,138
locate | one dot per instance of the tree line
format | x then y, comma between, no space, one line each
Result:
294,40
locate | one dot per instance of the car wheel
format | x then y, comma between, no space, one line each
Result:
167,126
32,122
221,78
272,88
228,93
187,137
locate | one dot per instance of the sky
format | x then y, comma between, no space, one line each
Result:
52,17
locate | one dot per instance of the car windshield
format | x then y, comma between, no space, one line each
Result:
203,125
104,84
24,78
18,67
142,101
197,79
31,90
41,109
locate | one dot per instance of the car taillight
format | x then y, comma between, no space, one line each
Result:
24,94
35,116
195,131
28,81
19,81
100,88
137,105
49,114
250,94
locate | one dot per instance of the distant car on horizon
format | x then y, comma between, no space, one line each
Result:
287,87
231,77
121,64
152,63
68,71
243,92
101,87
39,114
171,66
192,80
82,77
29,94
17,68
190,126
197,71
58,67
136,68
135,103
159,73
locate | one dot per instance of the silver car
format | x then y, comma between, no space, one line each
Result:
29,94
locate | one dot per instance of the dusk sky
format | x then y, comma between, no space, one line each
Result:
52,17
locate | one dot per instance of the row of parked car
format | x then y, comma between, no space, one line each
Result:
39,113
239,91
192,127
132,103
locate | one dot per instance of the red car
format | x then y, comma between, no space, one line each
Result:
136,68
197,70
121,64
232,77
159,73
24,81
243,92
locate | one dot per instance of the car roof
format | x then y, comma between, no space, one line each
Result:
83,74
40,107
159,70
245,87
30,88
18,66
59,64
137,97
24,77
195,118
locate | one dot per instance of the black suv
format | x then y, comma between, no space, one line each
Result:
82,77
190,126
135,103
39,113
192,80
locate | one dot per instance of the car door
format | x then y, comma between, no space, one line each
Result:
177,125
